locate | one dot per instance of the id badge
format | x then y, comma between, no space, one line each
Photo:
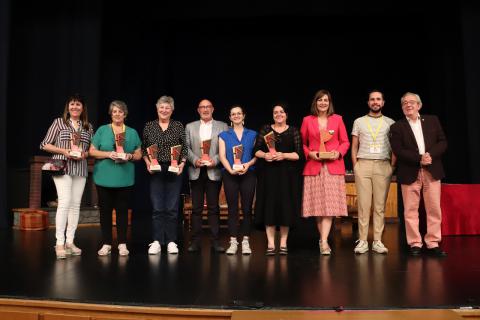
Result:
375,148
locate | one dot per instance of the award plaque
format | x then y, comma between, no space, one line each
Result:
205,147
75,150
237,157
270,141
152,152
325,136
175,157
119,143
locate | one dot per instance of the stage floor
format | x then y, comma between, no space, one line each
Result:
301,280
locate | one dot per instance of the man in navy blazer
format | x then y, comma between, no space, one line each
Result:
204,173
418,142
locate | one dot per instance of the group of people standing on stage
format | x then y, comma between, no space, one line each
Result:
287,172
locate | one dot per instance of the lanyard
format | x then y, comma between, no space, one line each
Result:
123,129
374,135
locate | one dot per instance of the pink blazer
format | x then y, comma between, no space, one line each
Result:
311,142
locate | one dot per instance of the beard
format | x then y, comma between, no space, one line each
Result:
376,111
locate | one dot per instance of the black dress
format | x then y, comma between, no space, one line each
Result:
279,183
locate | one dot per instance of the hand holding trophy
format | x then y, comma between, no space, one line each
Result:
270,142
237,157
205,147
175,157
121,156
152,152
75,141
323,154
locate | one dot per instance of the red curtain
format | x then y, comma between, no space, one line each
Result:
460,209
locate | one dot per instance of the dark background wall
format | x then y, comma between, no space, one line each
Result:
247,52
4,39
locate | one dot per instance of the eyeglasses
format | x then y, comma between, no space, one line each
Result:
407,102
205,107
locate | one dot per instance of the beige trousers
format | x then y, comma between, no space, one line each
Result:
372,181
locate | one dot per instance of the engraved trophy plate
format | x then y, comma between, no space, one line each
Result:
270,141
325,136
205,147
75,151
175,157
237,157
152,152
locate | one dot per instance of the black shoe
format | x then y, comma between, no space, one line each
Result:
270,252
437,252
194,247
217,247
283,251
415,251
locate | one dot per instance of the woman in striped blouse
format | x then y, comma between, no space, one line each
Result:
68,138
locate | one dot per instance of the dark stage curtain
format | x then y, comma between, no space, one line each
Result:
254,56
471,52
55,52
4,47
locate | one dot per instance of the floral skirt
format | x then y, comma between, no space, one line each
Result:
324,195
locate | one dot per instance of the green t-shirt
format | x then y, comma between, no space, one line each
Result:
106,172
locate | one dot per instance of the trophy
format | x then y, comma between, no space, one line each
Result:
75,151
237,157
152,152
270,141
205,147
119,143
325,136
175,156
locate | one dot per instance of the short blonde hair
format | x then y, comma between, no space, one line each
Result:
166,99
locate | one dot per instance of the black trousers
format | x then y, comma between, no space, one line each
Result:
118,199
245,186
199,188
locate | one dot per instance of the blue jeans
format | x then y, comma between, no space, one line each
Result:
165,194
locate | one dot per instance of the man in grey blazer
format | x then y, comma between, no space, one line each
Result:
204,172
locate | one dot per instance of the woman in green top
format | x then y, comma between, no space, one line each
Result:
115,146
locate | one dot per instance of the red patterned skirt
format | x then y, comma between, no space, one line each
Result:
324,195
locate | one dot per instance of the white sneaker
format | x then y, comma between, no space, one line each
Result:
72,249
246,247
122,249
60,252
378,247
105,250
172,248
154,248
362,246
233,248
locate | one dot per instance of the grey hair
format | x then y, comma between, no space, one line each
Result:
411,94
120,105
166,99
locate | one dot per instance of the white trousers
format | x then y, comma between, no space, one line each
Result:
69,191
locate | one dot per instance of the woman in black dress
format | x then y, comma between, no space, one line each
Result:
279,178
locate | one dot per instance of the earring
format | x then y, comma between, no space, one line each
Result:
243,123
231,124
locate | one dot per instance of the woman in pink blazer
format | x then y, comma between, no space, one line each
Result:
324,182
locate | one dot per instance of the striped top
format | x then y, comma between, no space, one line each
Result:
365,128
59,134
